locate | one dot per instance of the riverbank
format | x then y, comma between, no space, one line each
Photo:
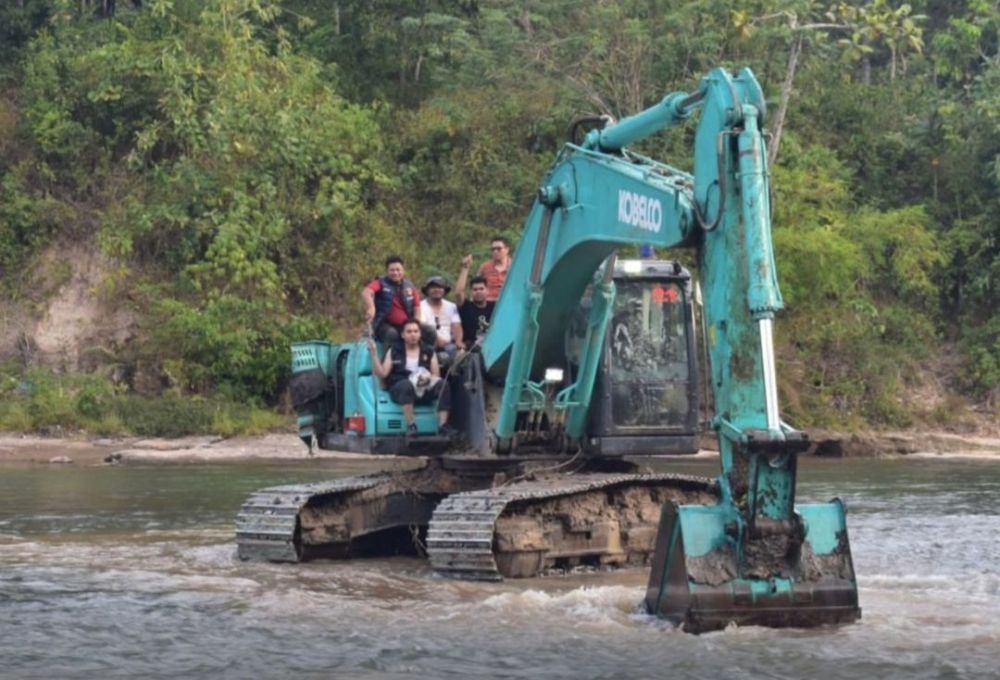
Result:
903,443
18,449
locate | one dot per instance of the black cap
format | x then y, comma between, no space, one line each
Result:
436,281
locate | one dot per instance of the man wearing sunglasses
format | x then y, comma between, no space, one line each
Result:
495,269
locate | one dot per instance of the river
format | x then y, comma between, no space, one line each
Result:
129,572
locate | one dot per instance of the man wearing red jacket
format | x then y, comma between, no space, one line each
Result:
390,300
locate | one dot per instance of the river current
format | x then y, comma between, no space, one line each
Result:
130,572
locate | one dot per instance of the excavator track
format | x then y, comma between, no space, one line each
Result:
525,528
381,514
268,527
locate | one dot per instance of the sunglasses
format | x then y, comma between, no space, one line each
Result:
496,247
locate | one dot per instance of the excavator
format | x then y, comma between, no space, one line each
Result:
588,359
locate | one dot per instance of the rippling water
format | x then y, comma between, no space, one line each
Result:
130,572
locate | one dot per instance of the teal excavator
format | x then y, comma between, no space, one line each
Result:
590,358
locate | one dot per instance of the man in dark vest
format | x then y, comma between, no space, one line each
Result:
390,300
411,369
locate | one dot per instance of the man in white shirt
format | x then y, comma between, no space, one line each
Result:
442,316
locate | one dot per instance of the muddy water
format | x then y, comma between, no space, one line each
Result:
129,572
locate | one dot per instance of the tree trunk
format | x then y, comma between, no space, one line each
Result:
786,95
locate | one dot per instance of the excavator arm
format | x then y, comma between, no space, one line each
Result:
755,557
599,197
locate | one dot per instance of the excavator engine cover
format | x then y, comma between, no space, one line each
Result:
797,574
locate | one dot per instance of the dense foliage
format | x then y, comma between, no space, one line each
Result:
247,164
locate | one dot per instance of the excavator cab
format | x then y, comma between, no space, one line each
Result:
646,396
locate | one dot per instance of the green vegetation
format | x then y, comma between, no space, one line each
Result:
37,400
246,165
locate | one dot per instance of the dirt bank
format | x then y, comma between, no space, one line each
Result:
18,449
30,449
883,444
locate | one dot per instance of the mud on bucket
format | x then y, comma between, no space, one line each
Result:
710,569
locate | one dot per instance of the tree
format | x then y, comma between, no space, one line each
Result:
796,34
878,24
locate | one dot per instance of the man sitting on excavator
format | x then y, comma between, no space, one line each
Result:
413,376
495,269
475,311
390,300
442,316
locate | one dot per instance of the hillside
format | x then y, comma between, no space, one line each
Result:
187,187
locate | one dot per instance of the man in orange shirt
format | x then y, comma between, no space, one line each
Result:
495,269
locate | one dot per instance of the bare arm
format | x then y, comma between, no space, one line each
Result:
463,279
457,335
383,368
435,367
368,298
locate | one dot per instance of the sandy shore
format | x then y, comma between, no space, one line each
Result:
16,449
914,444
31,449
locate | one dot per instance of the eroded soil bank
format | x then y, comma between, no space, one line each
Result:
16,449
881,444
31,449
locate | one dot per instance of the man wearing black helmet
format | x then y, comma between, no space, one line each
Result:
441,315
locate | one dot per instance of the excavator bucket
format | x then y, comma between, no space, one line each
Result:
708,573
